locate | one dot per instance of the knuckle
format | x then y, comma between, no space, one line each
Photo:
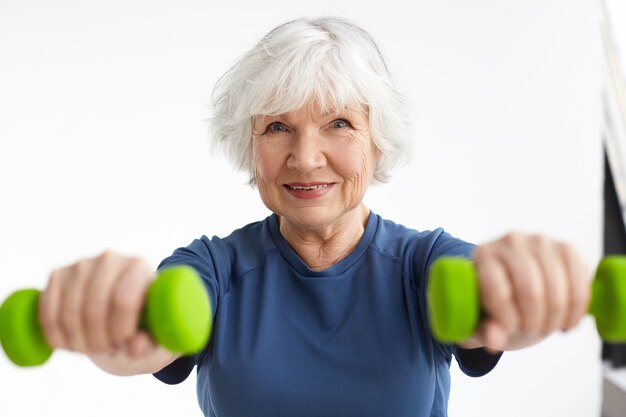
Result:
80,268
514,239
485,254
136,263
56,278
568,250
542,242
106,256
481,252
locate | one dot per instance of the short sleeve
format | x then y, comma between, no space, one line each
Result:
177,371
200,255
475,362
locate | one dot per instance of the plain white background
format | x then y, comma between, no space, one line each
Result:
103,145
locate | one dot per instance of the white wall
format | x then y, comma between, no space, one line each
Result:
102,145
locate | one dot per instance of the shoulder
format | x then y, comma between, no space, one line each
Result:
399,241
248,240
244,248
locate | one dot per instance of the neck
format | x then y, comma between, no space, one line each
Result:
324,246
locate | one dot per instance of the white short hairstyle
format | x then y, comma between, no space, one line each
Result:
330,60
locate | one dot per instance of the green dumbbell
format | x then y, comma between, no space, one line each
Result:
454,305
177,314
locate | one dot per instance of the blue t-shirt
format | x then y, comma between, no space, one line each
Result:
352,340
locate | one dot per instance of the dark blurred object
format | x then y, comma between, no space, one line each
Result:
614,243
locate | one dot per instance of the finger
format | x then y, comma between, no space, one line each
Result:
98,295
128,301
72,305
528,286
50,310
141,345
495,335
496,292
556,283
579,286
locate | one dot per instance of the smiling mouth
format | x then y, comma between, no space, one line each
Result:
306,188
309,190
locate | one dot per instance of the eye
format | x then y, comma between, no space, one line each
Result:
340,124
276,127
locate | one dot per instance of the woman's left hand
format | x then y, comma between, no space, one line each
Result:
530,286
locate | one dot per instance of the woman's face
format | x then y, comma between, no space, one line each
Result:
312,169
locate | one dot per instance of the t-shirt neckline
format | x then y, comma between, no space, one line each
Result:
294,260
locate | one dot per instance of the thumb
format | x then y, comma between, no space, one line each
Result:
141,344
494,335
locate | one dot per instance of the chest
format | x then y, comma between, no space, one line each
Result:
284,344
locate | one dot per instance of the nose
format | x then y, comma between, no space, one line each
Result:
307,151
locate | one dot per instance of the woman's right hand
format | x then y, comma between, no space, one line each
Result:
94,307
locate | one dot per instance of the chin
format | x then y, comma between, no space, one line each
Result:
312,217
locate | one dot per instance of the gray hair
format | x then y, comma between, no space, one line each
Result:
328,59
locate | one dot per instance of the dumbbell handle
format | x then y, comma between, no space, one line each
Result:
177,314
454,305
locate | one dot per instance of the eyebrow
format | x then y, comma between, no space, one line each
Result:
347,111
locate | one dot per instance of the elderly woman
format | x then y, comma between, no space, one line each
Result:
319,309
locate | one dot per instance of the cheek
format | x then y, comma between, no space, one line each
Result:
266,164
357,164
263,175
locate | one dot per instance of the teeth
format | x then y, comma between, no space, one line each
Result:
315,187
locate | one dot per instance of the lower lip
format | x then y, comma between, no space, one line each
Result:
309,194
